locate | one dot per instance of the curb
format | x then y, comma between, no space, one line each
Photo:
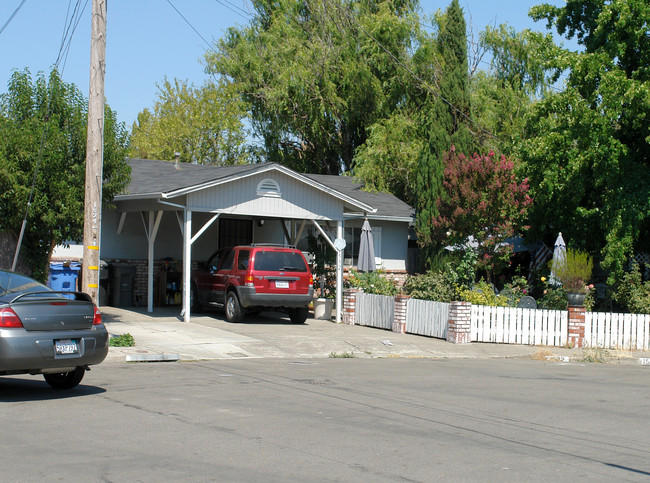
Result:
152,358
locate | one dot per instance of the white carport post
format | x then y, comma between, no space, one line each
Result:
187,263
339,271
151,232
339,246
188,240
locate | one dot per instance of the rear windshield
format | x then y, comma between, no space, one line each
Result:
274,261
16,283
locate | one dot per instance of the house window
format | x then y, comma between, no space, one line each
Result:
269,187
352,239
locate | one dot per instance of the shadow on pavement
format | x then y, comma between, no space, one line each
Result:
31,388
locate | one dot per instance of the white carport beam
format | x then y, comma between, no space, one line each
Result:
120,224
205,227
327,238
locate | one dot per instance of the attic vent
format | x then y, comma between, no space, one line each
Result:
268,187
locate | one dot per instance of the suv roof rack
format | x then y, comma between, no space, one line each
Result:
281,245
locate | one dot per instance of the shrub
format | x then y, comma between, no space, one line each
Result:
554,298
373,282
574,271
633,293
482,293
514,290
438,285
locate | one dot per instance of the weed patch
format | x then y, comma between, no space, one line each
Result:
124,340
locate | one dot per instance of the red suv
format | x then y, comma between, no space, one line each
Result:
254,278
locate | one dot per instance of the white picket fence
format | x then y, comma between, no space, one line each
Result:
424,317
511,325
617,331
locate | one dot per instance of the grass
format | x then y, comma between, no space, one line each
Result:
124,340
542,355
342,355
597,355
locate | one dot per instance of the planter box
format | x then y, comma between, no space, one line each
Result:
323,308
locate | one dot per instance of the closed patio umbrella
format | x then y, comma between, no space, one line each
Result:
366,261
559,255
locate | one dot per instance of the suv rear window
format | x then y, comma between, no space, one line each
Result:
274,261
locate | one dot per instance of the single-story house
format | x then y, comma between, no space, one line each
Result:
175,214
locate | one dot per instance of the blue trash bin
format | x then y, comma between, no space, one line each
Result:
63,277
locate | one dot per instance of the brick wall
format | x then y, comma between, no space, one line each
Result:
460,320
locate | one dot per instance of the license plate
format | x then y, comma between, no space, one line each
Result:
281,284
64,347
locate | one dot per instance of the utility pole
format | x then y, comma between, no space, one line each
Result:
94,151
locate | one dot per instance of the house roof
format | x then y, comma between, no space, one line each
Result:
152,179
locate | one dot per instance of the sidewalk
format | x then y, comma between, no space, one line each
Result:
162,335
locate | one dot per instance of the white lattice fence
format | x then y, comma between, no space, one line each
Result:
617,331
510,325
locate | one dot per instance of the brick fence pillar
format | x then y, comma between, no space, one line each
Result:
349,305
576,325
460,315
399,317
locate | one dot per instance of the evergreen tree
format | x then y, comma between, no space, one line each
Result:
446,123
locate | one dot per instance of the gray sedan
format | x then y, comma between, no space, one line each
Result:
57,334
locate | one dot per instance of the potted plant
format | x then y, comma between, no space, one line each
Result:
324,277
574,271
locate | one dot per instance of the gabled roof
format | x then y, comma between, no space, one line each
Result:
152,179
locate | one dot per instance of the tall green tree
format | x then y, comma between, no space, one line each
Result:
523,69
588,154
316,74
204,124
43,146
446,123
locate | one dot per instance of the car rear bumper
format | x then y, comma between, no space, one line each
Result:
248,297
34,352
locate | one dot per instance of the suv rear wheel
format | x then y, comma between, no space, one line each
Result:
298,315
234,311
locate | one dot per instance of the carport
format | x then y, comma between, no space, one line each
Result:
288,200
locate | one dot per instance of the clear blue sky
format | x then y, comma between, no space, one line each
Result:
148,40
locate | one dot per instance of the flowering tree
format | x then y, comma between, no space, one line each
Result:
482,199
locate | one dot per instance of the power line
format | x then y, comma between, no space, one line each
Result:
246,15
12,16
72,22
191,26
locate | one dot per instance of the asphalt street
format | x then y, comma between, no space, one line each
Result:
331,419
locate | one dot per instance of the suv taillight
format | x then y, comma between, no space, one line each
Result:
97,319
249,280
311,279
9,319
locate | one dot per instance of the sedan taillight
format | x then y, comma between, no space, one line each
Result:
97,319
9,319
